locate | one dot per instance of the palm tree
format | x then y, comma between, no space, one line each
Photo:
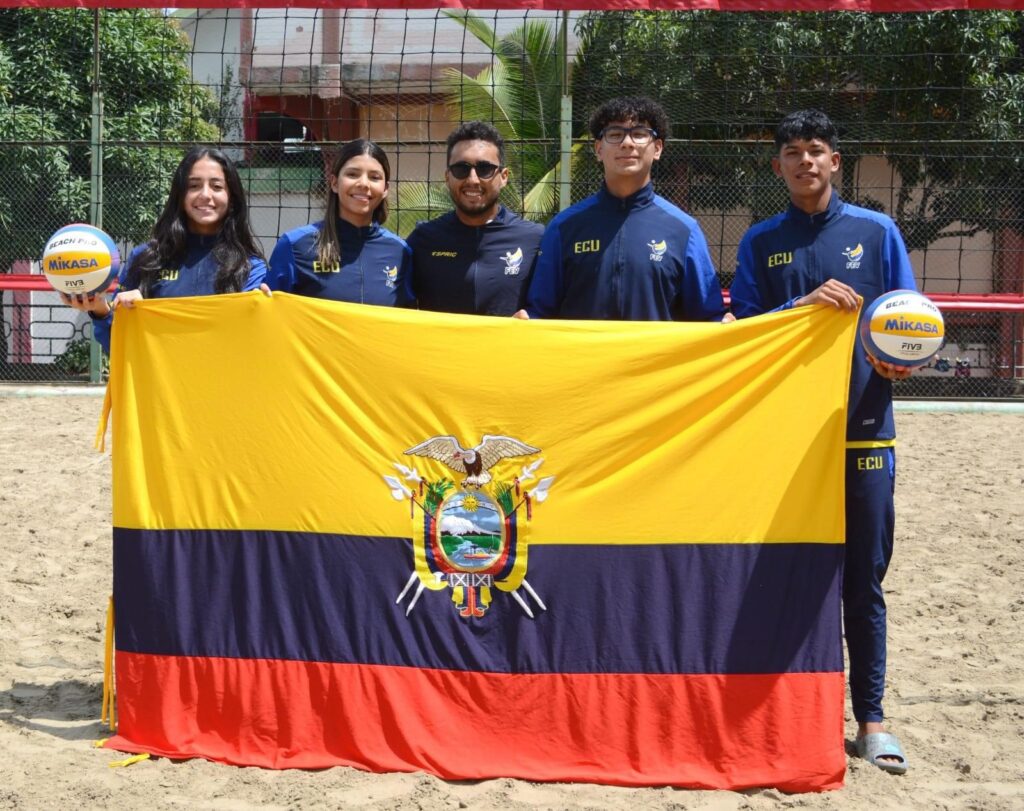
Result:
520,94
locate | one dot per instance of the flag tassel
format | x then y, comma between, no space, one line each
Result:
107,711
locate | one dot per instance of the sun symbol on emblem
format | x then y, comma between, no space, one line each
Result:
470,503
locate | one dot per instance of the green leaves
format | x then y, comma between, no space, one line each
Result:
46,78
435,494
504,495
418,201
520,94
903,86
47,194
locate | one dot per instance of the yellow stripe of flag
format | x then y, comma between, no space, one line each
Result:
285,413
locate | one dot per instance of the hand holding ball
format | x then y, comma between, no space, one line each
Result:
902,327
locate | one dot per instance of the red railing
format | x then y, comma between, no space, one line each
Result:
952,302
32,282
983,356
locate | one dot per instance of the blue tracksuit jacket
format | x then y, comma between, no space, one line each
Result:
375,265
482,270
638,258
791,254
194,277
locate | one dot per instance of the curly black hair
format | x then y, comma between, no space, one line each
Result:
638,109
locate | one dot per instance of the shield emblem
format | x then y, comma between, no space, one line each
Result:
467,538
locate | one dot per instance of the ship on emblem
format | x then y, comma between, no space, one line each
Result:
468,537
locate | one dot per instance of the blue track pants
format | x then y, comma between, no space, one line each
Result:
870,521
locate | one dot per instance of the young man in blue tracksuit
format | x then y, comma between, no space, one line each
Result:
824,251
625,253
478,258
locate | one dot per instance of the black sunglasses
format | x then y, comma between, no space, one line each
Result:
484,169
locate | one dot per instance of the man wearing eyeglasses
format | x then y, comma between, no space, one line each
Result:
625,253
476,259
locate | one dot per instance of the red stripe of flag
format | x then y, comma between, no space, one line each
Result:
704,731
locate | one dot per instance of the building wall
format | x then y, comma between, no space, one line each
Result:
216,51
955,264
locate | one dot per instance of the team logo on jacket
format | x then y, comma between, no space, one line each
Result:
513,262
469,509
657,249
853,256
390,275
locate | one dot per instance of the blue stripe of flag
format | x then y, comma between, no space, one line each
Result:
672,608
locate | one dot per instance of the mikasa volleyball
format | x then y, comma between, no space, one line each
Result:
80,258
902,327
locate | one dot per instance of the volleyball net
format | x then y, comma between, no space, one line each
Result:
929,108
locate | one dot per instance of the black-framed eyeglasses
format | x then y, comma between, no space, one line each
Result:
484,169
641,136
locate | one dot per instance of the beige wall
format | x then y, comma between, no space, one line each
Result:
419,127
949,265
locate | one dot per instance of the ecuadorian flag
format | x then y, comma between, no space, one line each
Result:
480,547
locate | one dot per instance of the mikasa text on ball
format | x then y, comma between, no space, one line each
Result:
80,259
902,327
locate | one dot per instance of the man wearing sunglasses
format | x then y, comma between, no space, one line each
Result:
476,259
625,253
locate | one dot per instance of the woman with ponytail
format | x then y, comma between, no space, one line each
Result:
349,255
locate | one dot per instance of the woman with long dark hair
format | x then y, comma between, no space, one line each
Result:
202,244
348,256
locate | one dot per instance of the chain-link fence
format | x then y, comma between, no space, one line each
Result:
981,357
929,106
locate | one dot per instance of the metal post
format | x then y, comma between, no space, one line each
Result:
96,174
565,122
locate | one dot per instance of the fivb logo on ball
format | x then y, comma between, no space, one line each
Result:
80,258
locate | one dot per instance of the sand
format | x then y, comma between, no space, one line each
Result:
956,651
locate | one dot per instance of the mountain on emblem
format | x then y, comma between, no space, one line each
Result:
475,462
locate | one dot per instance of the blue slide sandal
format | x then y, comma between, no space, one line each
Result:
882,744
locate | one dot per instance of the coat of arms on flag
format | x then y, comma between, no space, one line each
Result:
466,535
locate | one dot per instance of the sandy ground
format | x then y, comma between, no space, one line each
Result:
956,677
